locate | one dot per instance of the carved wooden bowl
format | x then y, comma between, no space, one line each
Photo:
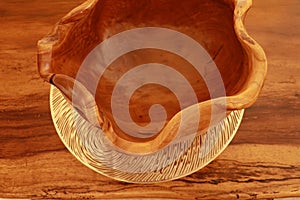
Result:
231,75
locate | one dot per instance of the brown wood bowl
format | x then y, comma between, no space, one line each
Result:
216,25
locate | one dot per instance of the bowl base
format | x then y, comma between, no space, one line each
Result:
91,147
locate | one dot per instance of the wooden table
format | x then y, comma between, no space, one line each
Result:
262,161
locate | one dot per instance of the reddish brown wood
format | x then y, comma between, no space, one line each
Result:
216,25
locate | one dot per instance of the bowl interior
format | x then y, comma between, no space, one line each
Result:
208,22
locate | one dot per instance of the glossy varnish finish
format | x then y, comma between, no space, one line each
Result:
262,161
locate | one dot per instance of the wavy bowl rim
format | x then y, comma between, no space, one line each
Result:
256,55
257,58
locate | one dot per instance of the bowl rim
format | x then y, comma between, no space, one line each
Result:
257,60
246,97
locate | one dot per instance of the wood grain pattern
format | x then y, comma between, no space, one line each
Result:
262,161
160,166
230,65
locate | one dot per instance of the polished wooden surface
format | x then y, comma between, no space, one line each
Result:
241,64
262,161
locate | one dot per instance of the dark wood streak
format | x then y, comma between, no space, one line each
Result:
261,163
